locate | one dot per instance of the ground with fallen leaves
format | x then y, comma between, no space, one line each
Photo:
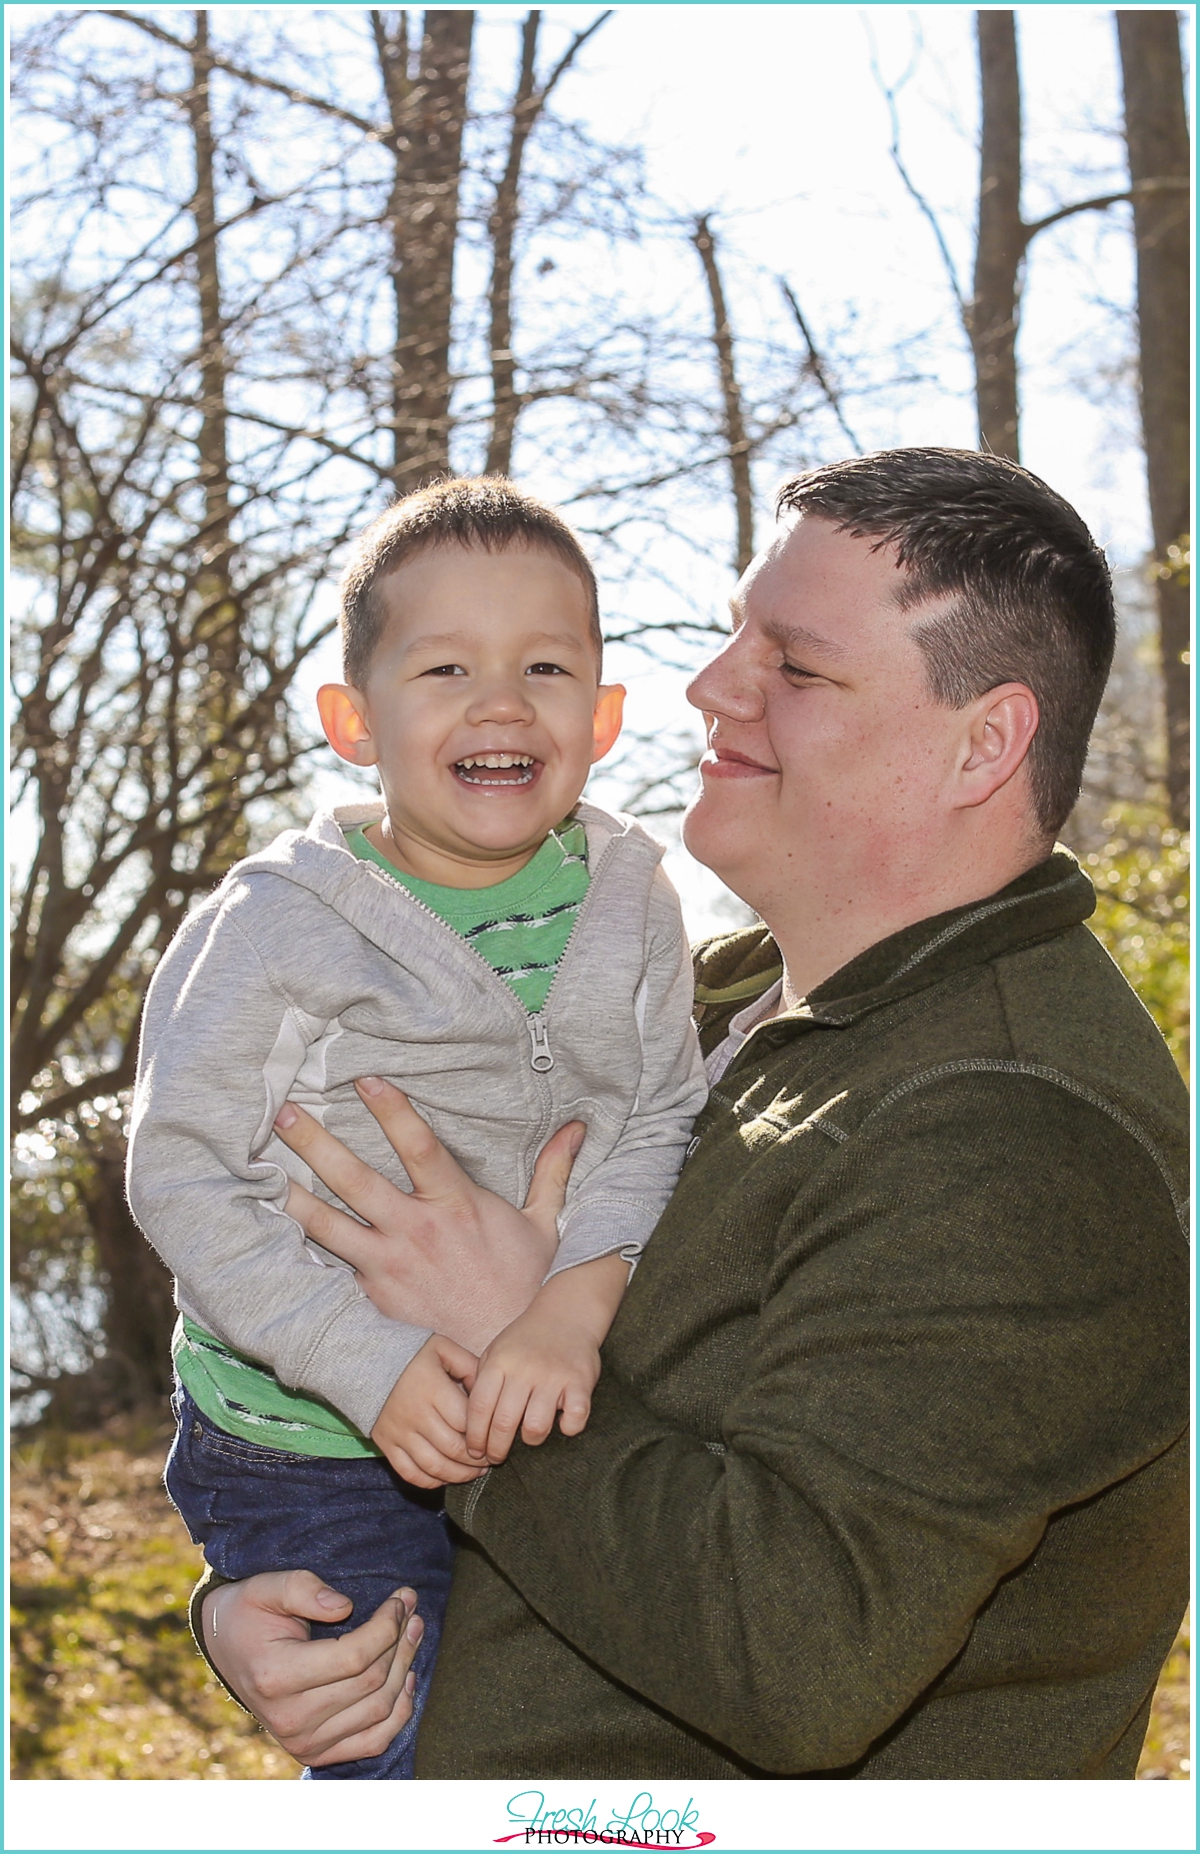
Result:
105,1680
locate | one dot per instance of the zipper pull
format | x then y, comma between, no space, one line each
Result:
541,1059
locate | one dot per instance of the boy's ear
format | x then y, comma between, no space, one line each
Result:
606,722
343,716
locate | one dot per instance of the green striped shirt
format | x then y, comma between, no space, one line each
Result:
521,926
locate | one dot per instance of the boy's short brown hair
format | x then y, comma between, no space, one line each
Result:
463,511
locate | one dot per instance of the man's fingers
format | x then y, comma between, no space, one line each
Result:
369,1195
433,1172
369,1710
303,1593
548,1187
331,1227
374,1739
352,1657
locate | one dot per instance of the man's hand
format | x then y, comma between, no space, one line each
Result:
325,1701
422,1426
447,1255
547,1361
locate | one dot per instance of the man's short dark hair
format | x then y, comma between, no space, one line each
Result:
1032,596
462,511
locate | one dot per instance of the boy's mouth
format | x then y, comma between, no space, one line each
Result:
497,769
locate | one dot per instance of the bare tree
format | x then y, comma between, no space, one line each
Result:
529,103
1002,236
990,312
198,404
1157,135
426,134
738,450
161,632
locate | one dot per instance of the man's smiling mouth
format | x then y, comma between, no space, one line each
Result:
497,769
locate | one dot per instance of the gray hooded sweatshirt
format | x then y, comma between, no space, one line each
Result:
308,968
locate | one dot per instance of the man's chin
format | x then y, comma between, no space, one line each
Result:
713,840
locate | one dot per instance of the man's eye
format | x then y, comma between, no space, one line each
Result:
797,674
546,669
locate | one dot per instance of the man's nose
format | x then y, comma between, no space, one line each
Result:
728,685
501,698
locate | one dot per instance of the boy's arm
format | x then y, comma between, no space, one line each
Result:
220,1048
547,1361
617,1207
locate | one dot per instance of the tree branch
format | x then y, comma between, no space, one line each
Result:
814,361
373,130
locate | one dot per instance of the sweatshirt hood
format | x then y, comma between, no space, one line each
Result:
319,859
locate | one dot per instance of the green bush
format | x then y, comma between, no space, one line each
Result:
1143,889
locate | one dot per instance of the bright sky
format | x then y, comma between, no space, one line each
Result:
770,117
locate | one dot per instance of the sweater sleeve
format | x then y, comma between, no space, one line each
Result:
220,1049
928,1382
626,1194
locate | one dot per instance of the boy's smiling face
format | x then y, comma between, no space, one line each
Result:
481,708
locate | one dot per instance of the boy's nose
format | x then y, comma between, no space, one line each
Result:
502,699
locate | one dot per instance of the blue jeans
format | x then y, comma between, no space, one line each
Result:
355,1523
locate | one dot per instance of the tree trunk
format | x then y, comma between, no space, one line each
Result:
427,130
1002,237
734,422
218,619
1157,133
502,226
140,1310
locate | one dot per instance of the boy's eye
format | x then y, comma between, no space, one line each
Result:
445,669
546,669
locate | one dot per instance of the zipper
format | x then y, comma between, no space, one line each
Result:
541,1057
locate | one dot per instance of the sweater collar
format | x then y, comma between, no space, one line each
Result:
1041,903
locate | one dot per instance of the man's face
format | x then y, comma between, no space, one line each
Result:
481,701
828,759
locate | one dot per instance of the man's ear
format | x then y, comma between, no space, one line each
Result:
998,730
606,722
344,718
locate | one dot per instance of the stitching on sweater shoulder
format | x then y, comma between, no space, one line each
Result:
970,920
994,1065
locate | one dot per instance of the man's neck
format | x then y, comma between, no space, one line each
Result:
820,933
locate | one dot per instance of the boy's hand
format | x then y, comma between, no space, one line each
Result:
422,1426
546,1361
533,1369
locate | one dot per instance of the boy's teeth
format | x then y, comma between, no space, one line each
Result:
497,760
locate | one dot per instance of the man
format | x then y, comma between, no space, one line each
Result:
885,1472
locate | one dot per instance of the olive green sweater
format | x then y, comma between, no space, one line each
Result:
884,1476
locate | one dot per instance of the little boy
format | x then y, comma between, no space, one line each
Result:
513,959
